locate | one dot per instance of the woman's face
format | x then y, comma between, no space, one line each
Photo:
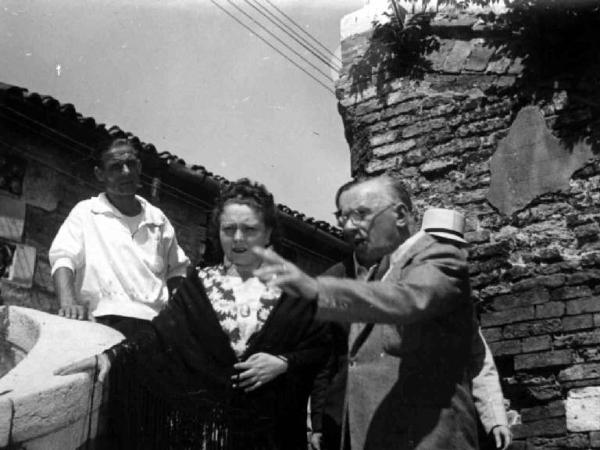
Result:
241,228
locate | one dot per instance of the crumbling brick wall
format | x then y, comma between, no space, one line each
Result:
469,125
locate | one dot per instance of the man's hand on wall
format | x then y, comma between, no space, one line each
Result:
73,311
502,436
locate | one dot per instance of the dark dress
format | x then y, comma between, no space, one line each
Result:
171,384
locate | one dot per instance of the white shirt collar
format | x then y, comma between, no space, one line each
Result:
102,205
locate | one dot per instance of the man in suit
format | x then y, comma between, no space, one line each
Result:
412,332
328,394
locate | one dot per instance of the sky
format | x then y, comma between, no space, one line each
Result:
183,75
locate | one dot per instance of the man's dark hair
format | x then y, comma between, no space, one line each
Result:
115,143
245,192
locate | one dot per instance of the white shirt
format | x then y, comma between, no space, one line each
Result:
117,271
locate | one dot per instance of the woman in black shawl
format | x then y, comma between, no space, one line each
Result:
229,362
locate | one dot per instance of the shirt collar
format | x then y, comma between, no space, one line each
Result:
361,272
102,205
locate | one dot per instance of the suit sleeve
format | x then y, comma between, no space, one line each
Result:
434,283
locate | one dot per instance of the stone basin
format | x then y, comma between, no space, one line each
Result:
39,410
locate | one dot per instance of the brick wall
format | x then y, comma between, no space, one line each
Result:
473,129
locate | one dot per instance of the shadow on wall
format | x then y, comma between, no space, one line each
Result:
552,47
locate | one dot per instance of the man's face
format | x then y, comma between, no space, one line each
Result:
120,171
374,228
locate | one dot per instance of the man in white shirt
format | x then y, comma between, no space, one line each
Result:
116,259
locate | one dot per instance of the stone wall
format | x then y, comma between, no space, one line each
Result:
465,110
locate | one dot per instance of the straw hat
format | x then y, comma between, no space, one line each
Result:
445,223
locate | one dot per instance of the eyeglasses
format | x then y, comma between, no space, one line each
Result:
357,216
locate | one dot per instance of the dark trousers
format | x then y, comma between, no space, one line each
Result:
128,326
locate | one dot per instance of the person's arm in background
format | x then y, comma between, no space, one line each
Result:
176,259
327,395
487,393
66,255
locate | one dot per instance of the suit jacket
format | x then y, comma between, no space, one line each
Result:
408,375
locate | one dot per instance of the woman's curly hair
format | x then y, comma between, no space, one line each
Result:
244,192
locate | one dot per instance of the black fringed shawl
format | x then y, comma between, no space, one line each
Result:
171,386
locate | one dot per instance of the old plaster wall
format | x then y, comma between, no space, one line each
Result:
460,115
54,178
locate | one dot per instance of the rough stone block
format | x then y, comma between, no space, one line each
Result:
545,281
492,334
423,127
577,339
493,249
479,57
383,138
456,147
570,323
569,292
580,372
392,149
583,276
477,237
583,409
549,309
501,348
549,427
552,409
536,343
438,166
507,316
533,328
570,441
543,359
376,166
456,58
499,65
584,305
521,299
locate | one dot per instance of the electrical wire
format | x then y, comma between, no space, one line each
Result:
270,33
303,30
291,33
272,46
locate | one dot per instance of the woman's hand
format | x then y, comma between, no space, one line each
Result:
258,370
99,364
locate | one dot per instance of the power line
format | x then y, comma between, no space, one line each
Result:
165,187
303,30
278,39
292,34
273,47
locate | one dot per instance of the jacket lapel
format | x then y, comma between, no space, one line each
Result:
360,332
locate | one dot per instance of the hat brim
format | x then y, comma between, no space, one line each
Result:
449,236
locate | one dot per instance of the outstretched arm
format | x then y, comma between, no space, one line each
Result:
435,283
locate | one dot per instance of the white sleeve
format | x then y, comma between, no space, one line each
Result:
177,260
68,249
